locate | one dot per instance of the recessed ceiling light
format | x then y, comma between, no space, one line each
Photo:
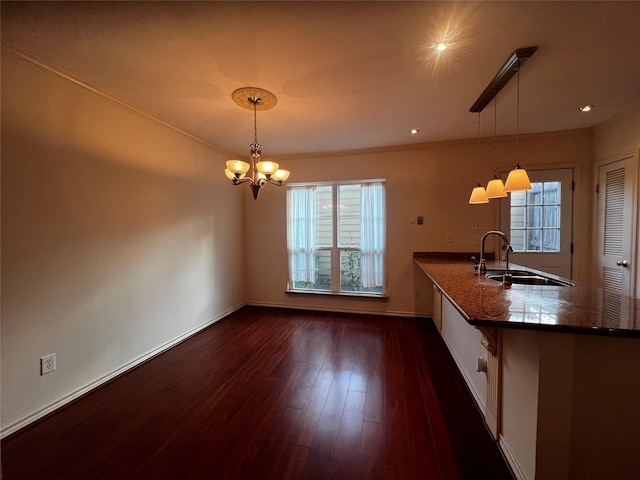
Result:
441,47
586,108
413,131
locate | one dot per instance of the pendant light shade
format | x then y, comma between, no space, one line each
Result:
495,188
478,196
518,180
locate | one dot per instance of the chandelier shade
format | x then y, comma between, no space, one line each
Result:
238,167
260,172
268,168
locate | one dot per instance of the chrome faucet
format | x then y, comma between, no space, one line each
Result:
482,267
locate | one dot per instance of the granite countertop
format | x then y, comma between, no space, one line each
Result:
484,302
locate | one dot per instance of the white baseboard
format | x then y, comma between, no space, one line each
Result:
14,427
511,458
322,308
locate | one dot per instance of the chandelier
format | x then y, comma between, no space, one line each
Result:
260,171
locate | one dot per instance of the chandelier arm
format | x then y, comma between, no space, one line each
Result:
238,181
279,183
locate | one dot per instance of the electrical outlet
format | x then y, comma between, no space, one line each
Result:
448,238
418,294
47,364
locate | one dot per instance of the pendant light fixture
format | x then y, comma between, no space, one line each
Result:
478,194
260,172
518,180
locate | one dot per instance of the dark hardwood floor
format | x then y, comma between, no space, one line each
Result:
273,394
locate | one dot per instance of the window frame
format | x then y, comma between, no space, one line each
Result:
539,207
336,248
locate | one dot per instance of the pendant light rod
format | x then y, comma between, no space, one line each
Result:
508,70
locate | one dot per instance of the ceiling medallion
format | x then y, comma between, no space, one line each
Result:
246,97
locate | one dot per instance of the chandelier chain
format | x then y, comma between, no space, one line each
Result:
255,123
256,149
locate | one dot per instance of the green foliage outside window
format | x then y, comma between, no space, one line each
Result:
350,271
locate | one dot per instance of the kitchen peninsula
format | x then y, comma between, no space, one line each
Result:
554,369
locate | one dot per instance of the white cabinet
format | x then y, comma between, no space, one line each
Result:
465,344
560,405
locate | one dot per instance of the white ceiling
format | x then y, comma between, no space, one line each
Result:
347,75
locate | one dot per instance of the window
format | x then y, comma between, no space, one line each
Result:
535,218
539,222
337,250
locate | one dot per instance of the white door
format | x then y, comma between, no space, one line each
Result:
616,225
538,222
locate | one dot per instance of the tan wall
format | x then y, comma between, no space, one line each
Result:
119,235
432,180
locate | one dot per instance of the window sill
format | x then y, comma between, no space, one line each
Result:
339,294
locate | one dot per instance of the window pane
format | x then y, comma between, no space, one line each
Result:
552,217
551,240
517,240
323,270
533,241
518,198
517,217
350,271
534,217
349,216
534,196
552,193
324,226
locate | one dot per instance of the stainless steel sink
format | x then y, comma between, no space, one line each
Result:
524,277
514,273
